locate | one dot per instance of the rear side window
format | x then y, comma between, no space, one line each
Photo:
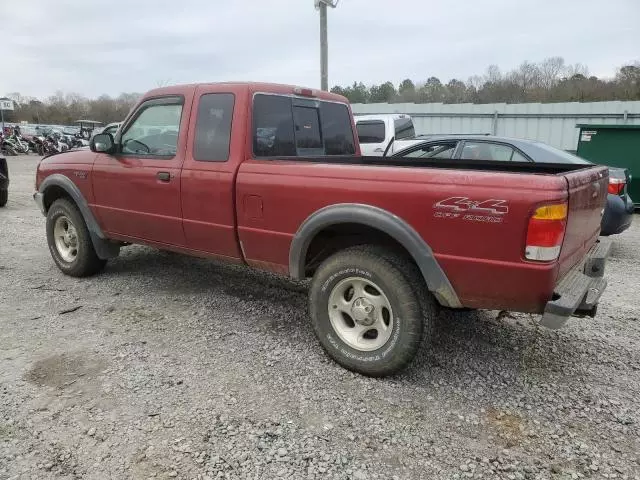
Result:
213,127
404,128
290,126
491,151
371,131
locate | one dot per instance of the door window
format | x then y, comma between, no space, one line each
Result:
518,157
154,131
441,150
371,131
404,128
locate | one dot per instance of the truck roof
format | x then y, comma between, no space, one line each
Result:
254,87
382,116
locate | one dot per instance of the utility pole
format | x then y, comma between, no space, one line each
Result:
321,5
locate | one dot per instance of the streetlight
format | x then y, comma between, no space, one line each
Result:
324,50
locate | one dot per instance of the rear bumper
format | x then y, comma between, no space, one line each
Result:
577,294
618,215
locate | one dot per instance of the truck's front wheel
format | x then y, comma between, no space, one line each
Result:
365,312
70,242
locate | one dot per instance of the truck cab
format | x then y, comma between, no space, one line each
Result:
377,132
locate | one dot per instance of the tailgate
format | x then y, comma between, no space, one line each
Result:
587,198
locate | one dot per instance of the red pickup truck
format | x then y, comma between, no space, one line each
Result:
272,176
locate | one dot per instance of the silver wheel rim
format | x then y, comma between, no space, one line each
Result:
66,238
360,314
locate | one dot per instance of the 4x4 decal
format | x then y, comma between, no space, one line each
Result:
490,211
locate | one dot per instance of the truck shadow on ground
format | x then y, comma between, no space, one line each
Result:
466,345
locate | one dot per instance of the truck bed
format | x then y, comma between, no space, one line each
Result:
456,164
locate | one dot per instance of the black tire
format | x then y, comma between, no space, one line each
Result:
86,262
4,197
413,307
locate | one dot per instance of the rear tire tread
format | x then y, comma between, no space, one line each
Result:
392,269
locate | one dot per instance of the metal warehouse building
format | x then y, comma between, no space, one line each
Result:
552,123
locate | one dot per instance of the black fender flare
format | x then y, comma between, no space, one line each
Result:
385,221
103,246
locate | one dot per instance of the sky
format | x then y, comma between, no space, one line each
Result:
95,47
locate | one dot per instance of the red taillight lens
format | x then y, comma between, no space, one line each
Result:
616,186
546,232
305,92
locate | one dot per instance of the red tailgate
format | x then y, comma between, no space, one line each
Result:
587,198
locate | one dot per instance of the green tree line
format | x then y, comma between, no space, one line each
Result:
551,80
64,109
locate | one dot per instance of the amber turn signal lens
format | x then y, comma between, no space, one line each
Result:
551,212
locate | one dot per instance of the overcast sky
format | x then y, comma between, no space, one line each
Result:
94,46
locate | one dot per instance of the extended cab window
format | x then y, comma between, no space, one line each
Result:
285,126
404,128
213,127
371,131
154,131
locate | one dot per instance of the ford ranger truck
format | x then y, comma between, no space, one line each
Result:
271,176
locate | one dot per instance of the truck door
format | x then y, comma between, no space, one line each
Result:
137,188
214,151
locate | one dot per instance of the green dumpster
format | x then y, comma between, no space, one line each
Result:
616,146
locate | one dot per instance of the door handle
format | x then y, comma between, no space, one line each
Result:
163,176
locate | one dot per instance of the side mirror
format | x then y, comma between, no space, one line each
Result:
102,143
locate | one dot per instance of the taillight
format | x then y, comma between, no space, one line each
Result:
616,186
305,92
546,232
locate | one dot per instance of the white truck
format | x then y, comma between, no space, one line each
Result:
375,133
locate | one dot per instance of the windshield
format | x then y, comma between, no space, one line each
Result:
558,156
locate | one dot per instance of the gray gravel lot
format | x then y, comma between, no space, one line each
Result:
175,367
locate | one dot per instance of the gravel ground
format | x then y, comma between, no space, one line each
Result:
174,367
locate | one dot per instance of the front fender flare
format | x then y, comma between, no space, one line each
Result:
387,222
104,248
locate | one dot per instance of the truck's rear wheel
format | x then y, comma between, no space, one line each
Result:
4,197
365,312
70,242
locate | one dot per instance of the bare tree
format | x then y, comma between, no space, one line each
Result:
552,69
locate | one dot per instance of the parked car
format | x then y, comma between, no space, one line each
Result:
377,132
618,214
4,181
271,176
619,209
